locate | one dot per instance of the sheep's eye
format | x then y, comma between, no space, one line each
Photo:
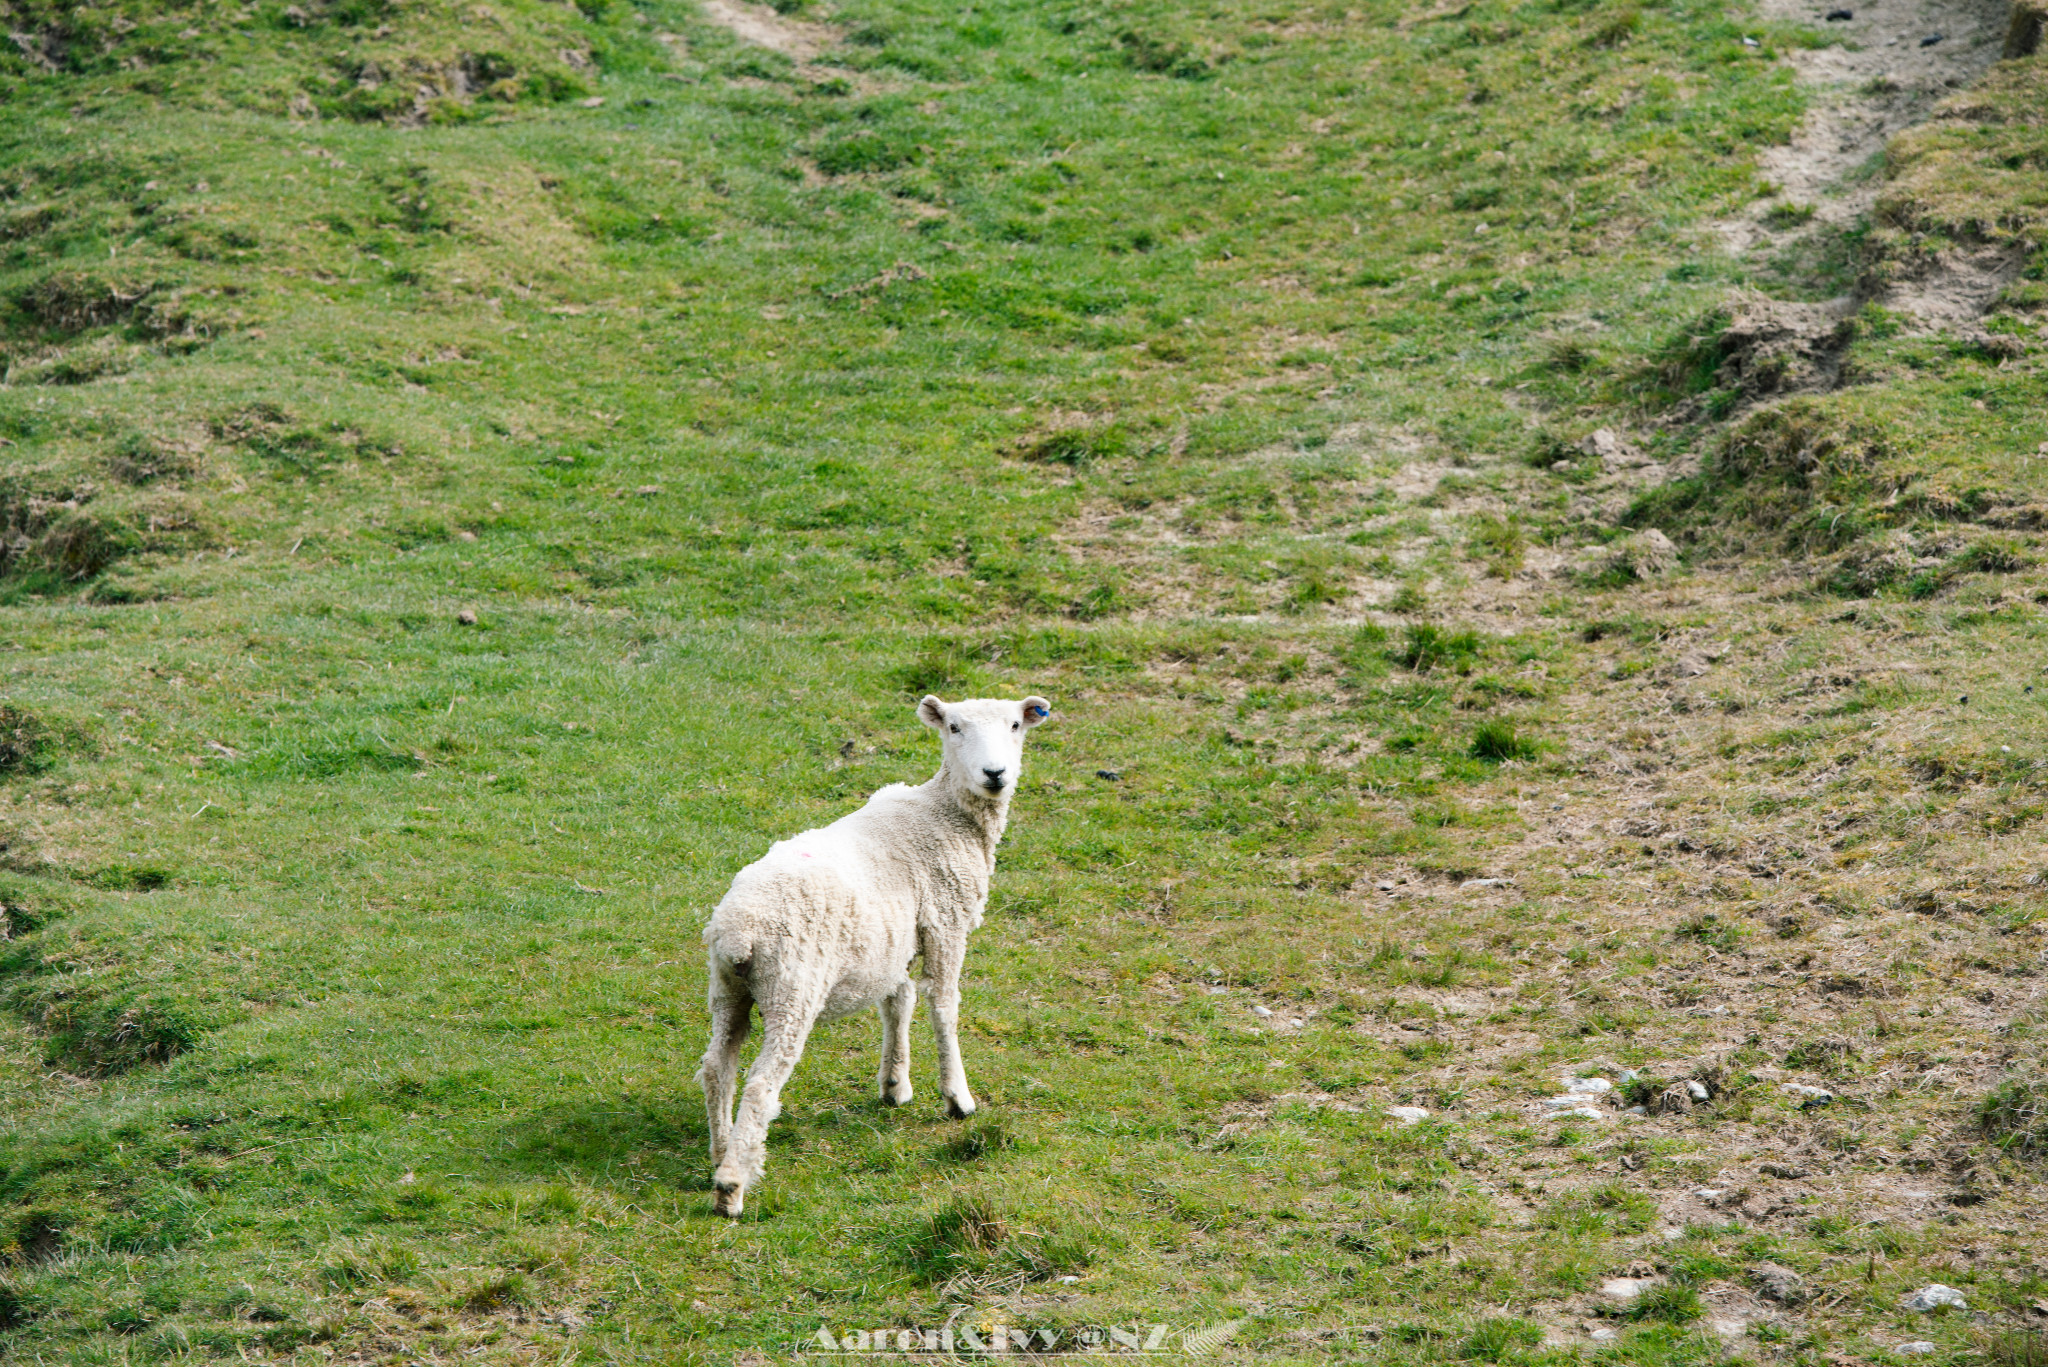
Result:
1015,724
956,730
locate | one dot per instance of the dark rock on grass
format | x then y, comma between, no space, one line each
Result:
1779,1284
1675,1100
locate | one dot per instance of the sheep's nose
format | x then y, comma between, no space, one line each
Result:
995,777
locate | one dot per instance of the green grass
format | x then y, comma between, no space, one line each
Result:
448,527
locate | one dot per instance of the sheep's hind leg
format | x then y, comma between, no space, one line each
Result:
896,1010
782,1044
942,987
731,1018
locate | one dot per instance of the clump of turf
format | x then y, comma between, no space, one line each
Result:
2015,1114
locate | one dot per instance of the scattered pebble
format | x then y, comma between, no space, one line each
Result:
1603,1335
1626,1288
1960,697
1840,16
1929,41
1697,1091
1917,1346
1782,1170
1928,1299
594,102
1068,1281
1262,1012
1710,1194
1588,1085
466,617
1810,1096
1112,775
1580,1112
1470,883
1637,1110
1408,1115
1749,42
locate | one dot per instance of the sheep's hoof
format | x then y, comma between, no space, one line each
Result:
955,1110
896,1093
728,1193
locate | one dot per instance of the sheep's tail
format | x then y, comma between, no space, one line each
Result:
731,948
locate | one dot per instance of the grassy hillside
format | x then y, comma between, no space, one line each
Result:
474,475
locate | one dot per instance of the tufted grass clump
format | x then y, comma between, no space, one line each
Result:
2014,1114
1666,1303
1498,741
1499,1340
1428,647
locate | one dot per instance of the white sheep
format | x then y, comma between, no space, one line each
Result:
827,923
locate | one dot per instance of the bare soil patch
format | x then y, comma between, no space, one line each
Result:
1897,59
796,39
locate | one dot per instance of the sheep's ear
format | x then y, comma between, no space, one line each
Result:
932,713
1036,710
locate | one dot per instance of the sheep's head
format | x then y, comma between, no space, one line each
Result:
984,741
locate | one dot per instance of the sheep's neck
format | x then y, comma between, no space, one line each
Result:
983,818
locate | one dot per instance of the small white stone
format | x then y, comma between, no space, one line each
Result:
1637,1110
1931,1298
1068,1281
1710,1194
1471,884
1916,1347
1408,1115
1262,1012
1818,1096
1697,1091
1626,1288
1587,1085
1603,1336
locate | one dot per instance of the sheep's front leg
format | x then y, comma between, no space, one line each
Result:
731,1018
782,1044
942,962
896,1009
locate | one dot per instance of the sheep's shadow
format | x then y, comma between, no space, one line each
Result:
612,1141
664,1140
